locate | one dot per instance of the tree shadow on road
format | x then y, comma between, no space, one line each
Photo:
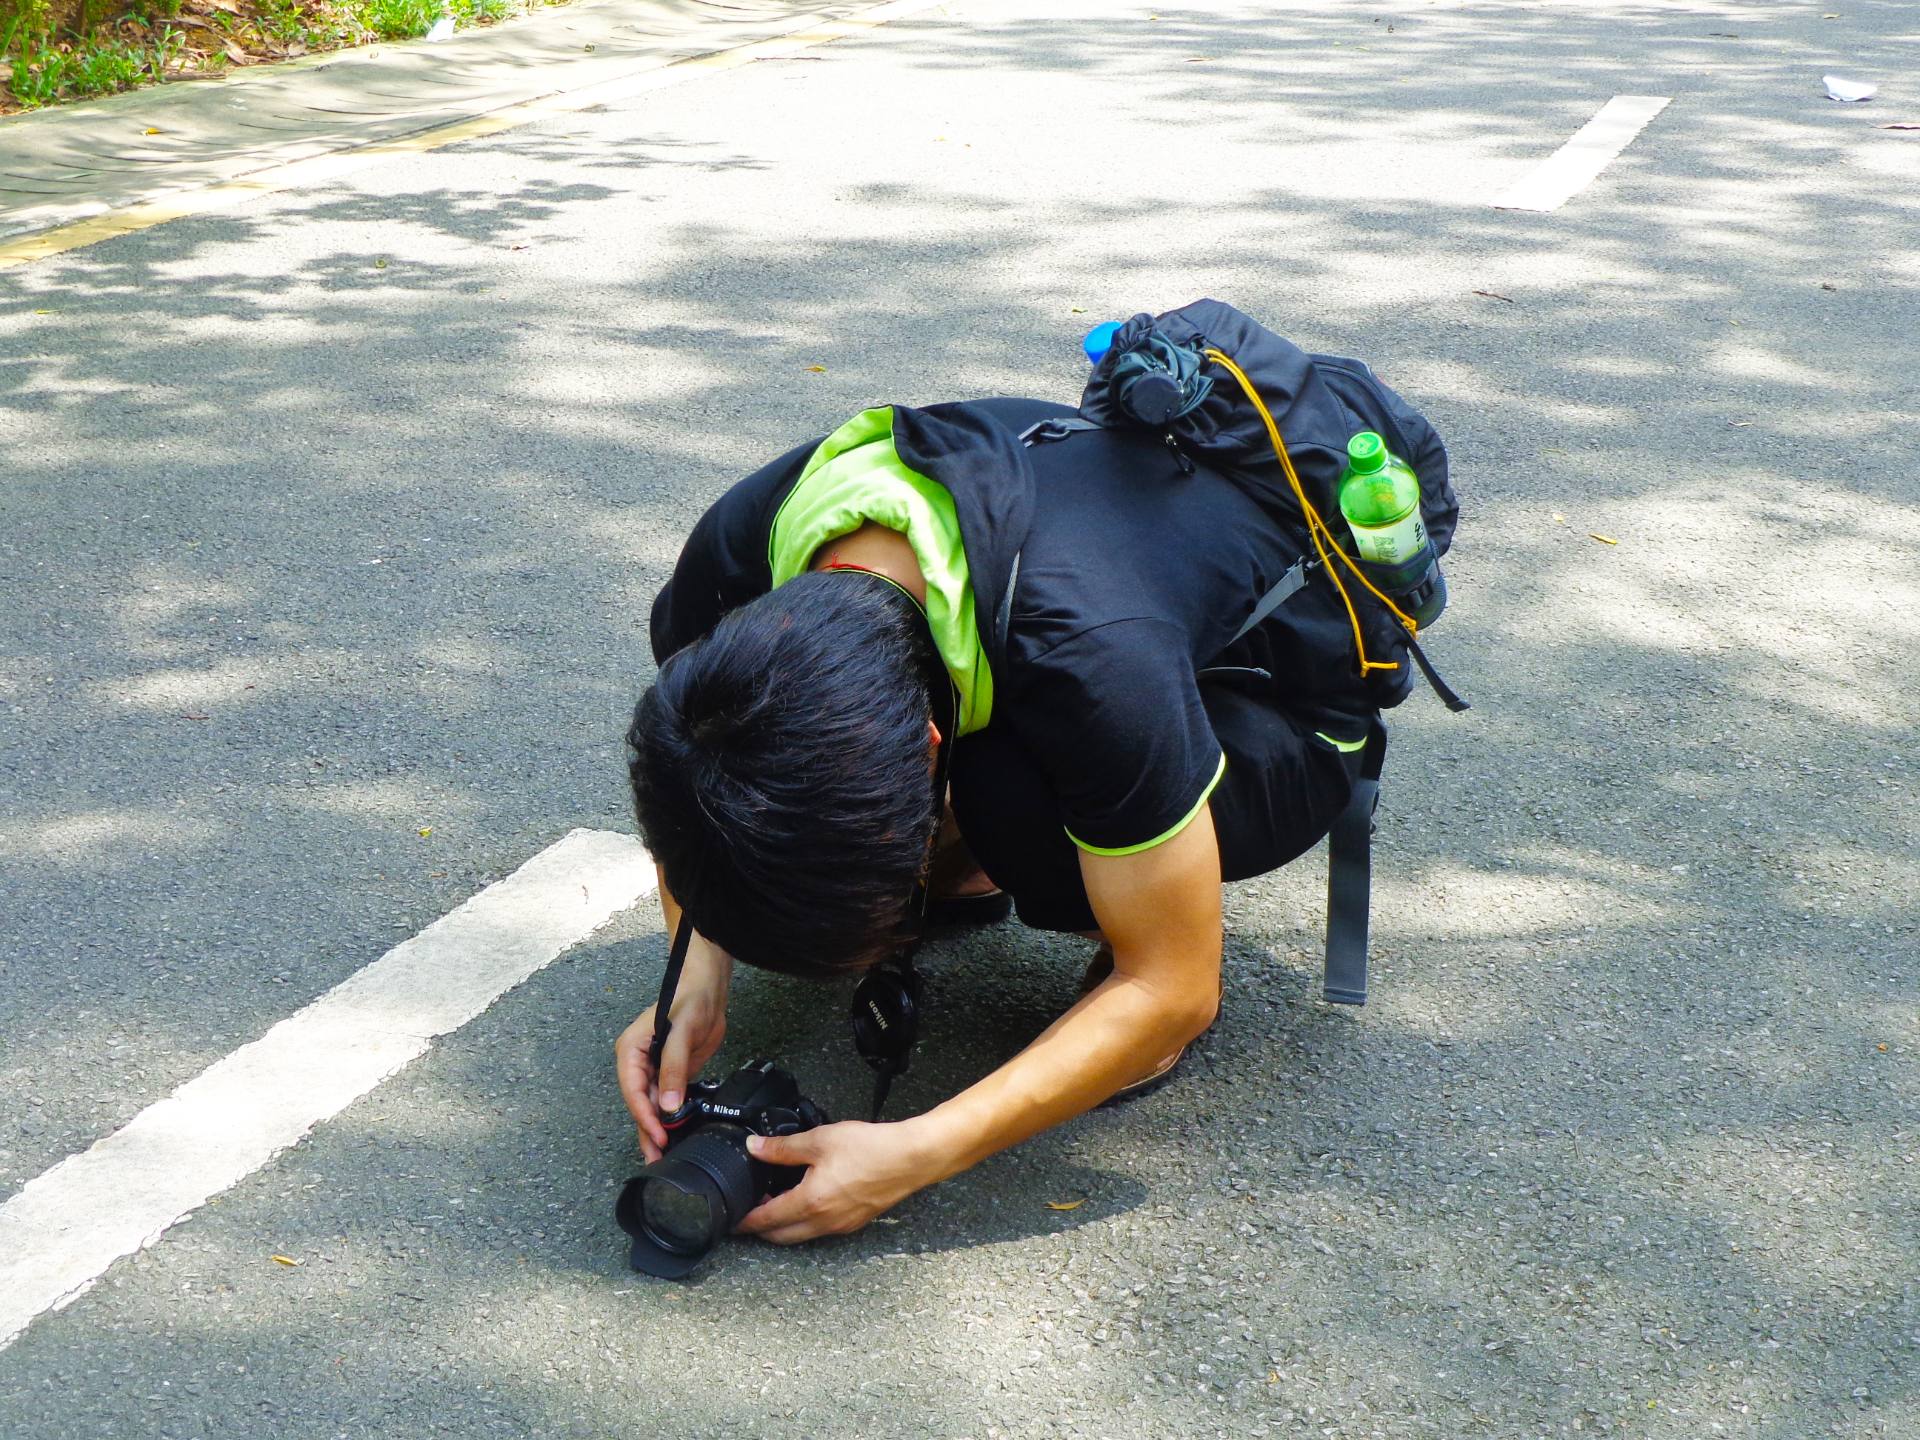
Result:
1617,1126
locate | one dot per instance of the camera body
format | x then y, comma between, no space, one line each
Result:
759,1097
679,1207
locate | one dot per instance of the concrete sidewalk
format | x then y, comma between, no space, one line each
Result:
67,164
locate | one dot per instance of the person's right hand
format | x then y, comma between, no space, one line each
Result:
699,1025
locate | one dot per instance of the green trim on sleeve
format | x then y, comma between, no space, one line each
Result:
1345,747
857,477
1161,839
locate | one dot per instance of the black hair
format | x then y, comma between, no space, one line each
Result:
782,776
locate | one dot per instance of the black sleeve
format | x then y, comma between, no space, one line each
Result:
724,562
1113,715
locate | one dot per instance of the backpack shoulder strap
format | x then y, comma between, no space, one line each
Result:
1277,595
1350,875
1059,427
1046,432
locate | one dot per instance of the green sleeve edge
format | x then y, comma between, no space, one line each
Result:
1162,838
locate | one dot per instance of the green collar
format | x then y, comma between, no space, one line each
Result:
855,477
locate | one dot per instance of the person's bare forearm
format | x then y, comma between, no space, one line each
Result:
1160,909
1113,1036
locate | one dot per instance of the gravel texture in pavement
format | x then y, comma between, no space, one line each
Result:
335,518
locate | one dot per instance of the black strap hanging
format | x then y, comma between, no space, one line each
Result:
882,1086
1350,876
669,982
1448,696
888,1046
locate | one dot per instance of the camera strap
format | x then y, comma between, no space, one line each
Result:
890,994
943,700
669,982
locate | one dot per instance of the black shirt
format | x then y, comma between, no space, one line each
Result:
1126,578
1132,579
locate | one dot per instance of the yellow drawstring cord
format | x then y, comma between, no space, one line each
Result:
1317,528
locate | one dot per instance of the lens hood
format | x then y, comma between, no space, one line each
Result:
711,1165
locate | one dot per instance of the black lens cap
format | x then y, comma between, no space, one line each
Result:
886,1016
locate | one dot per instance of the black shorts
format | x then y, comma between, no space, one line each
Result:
1283,788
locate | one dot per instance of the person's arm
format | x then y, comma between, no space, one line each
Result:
1160,910
699,1025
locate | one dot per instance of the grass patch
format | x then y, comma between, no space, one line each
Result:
60,50
40,70
400,19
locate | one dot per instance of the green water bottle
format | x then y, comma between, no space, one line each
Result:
1380,498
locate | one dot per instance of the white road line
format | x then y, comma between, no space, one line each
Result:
62,1231
1572,167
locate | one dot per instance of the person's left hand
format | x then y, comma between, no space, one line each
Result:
855,1171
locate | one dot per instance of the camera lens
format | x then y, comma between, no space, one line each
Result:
687,1201
679,1219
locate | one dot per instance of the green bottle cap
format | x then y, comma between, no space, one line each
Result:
1366,452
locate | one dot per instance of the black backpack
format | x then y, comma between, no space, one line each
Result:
1186,376
1210,381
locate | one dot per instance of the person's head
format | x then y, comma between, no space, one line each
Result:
782,776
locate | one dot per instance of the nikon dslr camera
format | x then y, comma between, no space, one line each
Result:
679,1207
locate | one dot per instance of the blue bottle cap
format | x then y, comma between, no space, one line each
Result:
1100,340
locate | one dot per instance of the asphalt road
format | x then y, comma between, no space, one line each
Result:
334,518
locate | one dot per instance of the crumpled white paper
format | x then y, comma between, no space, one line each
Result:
442,29
1838,89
